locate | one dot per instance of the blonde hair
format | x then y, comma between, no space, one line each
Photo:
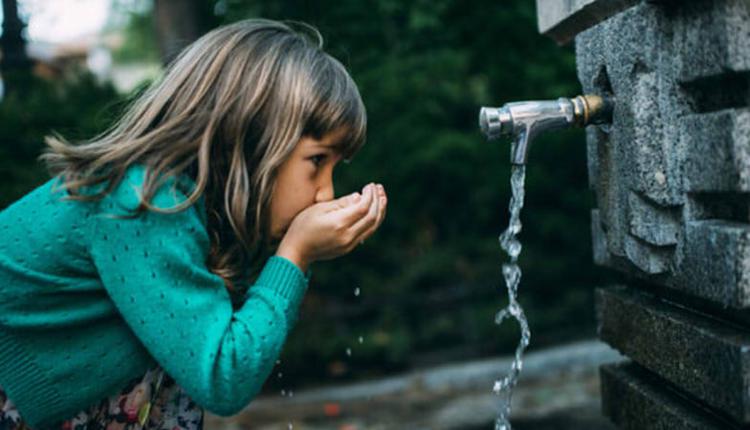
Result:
228,111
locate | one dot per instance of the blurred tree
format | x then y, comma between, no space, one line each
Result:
15,63
78,109
177,23
139,43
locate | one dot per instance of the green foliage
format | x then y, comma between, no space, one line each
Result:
139,44
77,108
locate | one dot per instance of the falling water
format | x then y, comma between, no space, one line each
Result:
512,275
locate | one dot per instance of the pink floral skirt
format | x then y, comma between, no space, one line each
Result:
127,410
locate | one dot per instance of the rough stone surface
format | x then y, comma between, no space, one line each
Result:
720,155
563,19
715,261
671,175
703,357
636,400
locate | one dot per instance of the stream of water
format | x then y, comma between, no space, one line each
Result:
512,274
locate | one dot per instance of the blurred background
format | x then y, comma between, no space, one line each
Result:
424,290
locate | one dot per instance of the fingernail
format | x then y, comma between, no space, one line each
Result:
355,197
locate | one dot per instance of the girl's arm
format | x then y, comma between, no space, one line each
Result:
153,268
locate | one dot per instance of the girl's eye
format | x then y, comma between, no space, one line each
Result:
317,159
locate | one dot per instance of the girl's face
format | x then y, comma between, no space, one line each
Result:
305,178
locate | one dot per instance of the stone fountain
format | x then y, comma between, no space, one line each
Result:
671,179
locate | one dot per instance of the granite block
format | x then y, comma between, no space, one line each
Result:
562,20
703,357
636,400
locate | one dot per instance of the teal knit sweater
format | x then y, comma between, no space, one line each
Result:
88,302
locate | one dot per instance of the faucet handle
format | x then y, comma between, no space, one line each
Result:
494,122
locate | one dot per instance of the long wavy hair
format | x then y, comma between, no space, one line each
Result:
227,111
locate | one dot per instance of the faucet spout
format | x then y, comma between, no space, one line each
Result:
524,121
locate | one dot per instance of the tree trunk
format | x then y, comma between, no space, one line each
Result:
178,23
15,62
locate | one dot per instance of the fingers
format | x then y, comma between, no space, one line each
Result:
372,226
367,226
343,202
366,221
354,212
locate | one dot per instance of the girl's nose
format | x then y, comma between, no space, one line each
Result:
325,192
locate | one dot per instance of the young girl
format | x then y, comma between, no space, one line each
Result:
125,297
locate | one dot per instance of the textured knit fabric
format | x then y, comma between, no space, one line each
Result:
88,302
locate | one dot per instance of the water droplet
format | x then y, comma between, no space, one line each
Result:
283,392
514,248
514,309
356,291
349,352
512,275
515,225
361,339
291,426
500,316
280,375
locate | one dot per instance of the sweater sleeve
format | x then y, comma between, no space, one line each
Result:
153,268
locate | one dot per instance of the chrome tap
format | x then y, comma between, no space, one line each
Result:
526,120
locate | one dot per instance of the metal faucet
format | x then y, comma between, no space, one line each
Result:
526,120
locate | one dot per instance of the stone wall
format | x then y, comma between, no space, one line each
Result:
671,179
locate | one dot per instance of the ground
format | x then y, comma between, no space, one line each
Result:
558,389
